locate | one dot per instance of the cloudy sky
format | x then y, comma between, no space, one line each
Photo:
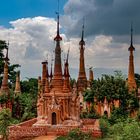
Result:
30,27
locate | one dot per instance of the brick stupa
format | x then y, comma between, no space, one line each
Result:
131,74
82,79
5,87
58,103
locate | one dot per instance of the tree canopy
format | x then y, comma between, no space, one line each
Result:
113,87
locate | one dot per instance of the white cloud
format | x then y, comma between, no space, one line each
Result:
32,39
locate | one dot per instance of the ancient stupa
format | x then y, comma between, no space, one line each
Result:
58,103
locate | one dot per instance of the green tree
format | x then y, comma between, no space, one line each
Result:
72,81
24,107
3,46
113,88
25,103
137,78
30,86
126,130
5,121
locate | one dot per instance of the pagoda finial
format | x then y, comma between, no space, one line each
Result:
131,34
131,48
82,42
58,37
83,30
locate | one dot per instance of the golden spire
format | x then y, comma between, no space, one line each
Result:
131,74
57,80
82,79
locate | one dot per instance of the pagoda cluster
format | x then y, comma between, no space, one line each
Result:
5,93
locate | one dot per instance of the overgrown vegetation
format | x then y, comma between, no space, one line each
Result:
76,134
119,126
112,88
125,129
5,121
24,104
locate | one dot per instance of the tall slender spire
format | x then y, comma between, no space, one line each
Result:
82,42
131,48
66,85
66,70
82,79
57,80
58,37
131,73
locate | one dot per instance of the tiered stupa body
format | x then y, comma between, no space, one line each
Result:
82,79
131,74
58,104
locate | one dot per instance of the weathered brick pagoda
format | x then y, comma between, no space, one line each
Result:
82,79
58,103
131,75
5,91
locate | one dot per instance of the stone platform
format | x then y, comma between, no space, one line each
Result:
27,130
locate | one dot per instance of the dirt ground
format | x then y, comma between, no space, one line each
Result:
45,138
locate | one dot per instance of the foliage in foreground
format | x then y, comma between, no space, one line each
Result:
5,121
128,129
76,134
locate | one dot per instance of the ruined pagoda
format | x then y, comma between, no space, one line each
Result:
4,87
82,79
58,103
131,74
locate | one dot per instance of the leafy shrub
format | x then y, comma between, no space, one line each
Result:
127,130
104,126
76,134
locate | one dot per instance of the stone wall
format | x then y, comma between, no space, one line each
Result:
28,123
26,130
18,132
